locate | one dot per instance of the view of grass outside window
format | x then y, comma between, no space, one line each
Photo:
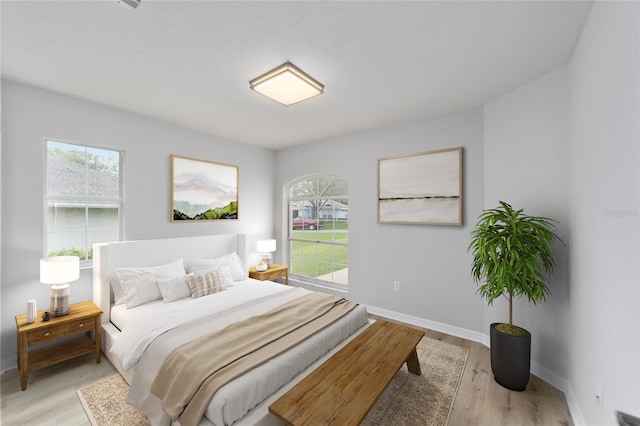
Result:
319,230
82,199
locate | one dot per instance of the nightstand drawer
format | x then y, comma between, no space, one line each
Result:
79,326
271,275
46,335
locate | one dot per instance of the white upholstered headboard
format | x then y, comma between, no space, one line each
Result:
107,256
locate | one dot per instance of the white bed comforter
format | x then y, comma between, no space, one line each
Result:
134,339
148,343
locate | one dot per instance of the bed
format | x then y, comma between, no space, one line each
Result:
139,334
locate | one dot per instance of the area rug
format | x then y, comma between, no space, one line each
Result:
424,400
104,403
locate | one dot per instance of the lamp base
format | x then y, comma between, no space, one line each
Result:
261,267
266,258
59,300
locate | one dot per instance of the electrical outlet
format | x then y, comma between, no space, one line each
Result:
599,395
396,285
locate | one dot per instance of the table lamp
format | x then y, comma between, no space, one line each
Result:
266,247
59,271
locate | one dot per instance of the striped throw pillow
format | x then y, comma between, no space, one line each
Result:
209,283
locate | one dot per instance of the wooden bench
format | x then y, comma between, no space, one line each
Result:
343,389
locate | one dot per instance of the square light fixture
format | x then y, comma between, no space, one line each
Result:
287,85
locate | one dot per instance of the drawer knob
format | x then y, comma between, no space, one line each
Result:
81,325
47,334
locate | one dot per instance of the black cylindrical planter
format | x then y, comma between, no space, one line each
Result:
510,359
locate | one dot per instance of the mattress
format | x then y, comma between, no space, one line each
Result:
149,334
121,316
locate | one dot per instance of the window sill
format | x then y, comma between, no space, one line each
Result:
310,285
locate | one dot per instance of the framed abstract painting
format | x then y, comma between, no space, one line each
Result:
423,188
203,190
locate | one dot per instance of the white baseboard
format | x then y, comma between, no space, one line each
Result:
431,325
549,377
9,364
574,407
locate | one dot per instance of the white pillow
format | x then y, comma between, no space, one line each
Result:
232,260
118,292
140,290
167,270
174,288
171,269
199,266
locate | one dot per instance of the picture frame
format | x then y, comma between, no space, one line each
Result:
203,190
424,188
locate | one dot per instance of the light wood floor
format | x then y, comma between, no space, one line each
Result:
483,402
50,398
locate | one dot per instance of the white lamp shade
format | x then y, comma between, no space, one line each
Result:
59,269
266,246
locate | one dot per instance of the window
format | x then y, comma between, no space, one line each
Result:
83,199
318,227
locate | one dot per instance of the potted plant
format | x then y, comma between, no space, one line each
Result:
512,257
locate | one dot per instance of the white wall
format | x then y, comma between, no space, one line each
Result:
604,307
29,115
526,152
431,262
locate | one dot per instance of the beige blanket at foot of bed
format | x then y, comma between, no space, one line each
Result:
192,373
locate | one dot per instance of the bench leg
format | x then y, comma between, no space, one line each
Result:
413,363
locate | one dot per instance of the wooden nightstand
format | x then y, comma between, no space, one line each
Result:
276,271
84,318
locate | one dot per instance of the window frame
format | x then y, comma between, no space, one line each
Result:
291,239
84,202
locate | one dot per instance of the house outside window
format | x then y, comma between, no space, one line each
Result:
318,230
83,199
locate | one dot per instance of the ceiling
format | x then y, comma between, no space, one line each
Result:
382,63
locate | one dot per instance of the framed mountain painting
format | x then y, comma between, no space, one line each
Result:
203,190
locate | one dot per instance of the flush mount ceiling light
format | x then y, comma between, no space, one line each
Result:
287,85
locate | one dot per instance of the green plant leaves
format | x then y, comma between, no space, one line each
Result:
512,254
